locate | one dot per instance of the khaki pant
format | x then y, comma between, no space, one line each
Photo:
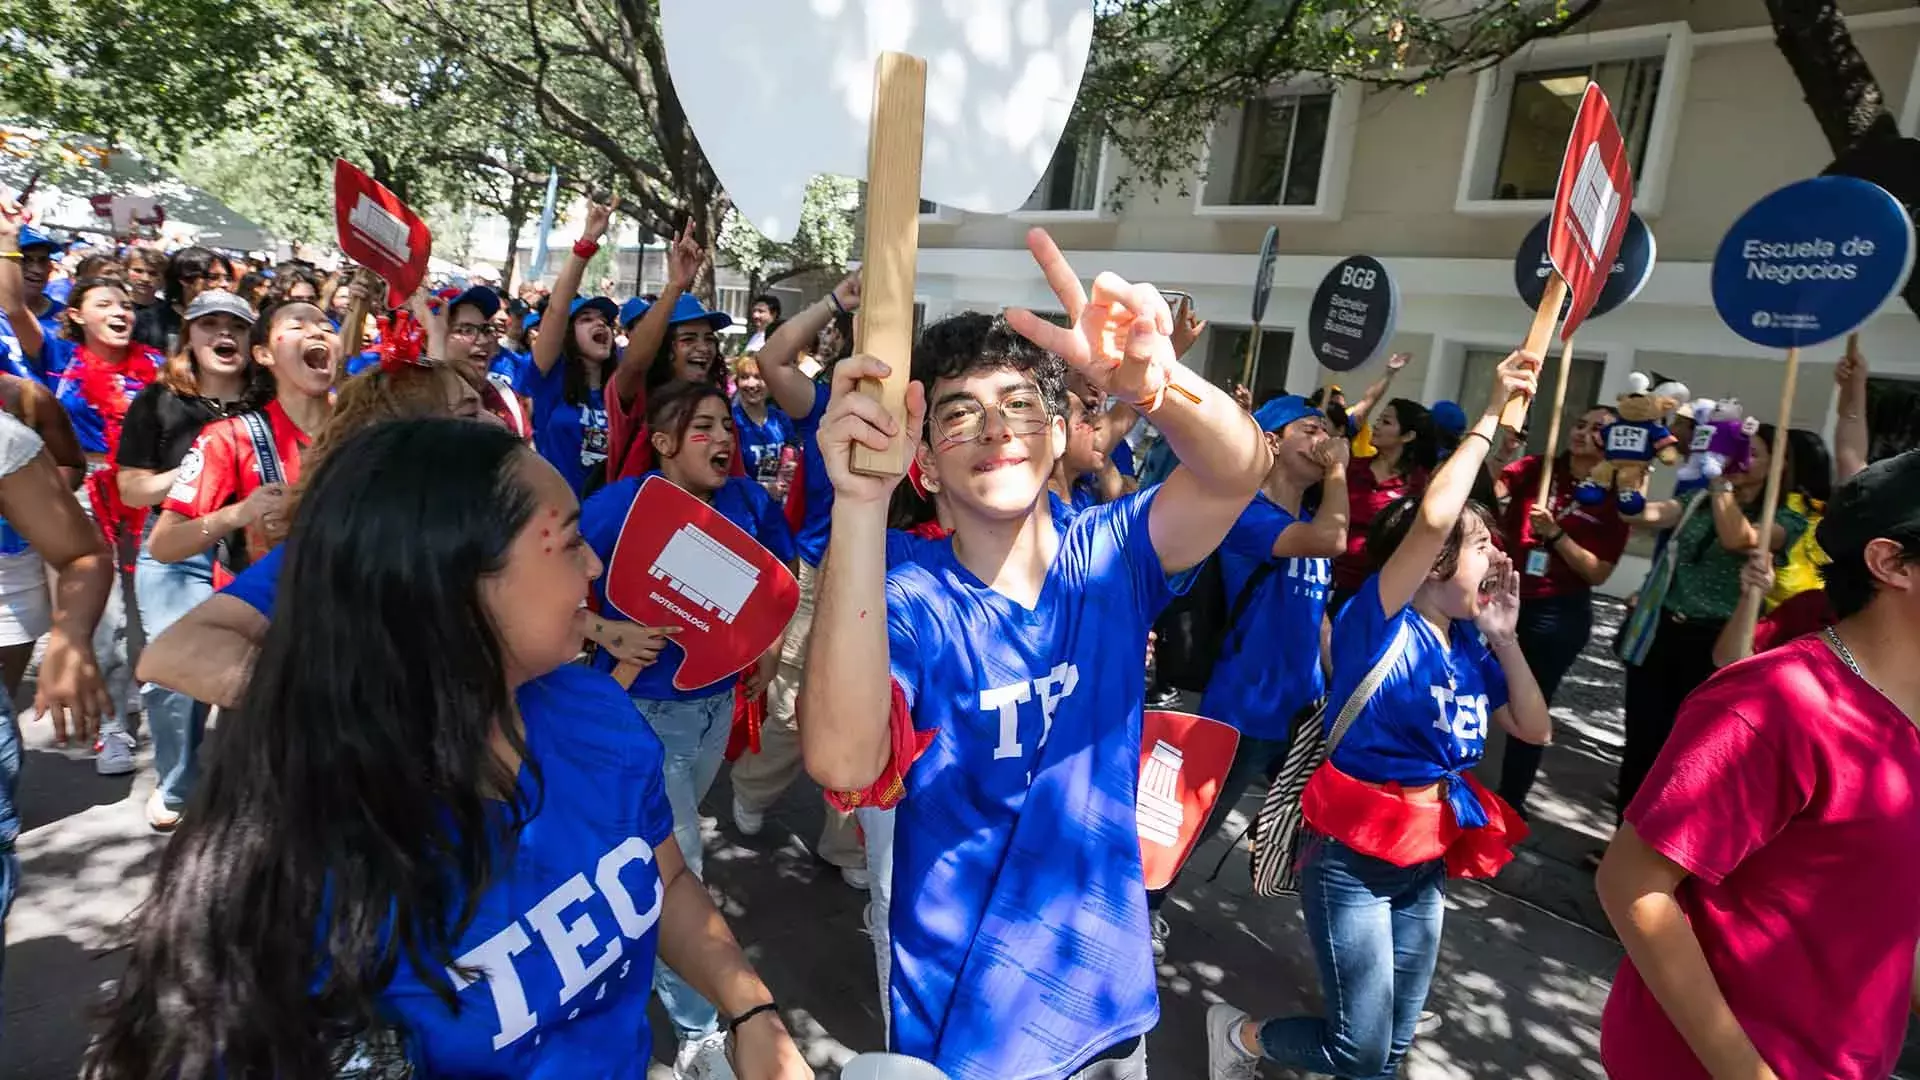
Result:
760,779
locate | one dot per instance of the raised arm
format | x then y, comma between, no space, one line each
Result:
553,336
50,419
846,694
13,286
1450,487
1122,342
780,355
1730,522
1324,537
1735,641
1850,422
643,345
1358,412
362,286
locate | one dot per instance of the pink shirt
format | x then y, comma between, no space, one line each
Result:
1790,790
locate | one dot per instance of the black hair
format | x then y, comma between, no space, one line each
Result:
351,824
251,283
192,264
1809,465
971,341
101,264
70,326
843,323
1850,585
574,374
285,277
1423,453
671,410
772,302
152,258
1394,522
662,371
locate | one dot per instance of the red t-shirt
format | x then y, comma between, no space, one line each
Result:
627,434
1366,497
1797,616
1596,528
223,468
1788,791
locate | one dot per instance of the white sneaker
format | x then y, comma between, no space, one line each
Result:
159,818
749,822
703,1059
1225,1059
856,877
115,757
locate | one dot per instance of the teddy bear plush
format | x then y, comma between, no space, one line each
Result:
1632,443
1722,443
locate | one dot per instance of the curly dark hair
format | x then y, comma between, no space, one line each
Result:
972,341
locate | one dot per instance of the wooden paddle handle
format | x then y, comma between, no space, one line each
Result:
1776,468
1553,433
884,328
1539,336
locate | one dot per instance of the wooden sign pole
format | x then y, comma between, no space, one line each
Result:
1539,336
1553,433
1776,469
1253,358
884,328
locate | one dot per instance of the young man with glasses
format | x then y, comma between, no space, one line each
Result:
992,689
474,350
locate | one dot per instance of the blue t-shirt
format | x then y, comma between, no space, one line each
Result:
361,361
1269,666
1122,457
812,537
566,932
88,425
1428,719
259,583
741,501
509,370
571,437
54,353
1019,922
760,444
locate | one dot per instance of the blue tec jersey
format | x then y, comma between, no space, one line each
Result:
741,501
1019,923
54,352
812,537
259,584
760,444
573,438
1428,720
567,932
509,370
1269,667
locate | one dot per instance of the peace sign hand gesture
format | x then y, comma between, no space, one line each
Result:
1122,338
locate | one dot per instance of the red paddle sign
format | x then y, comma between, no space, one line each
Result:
679,562
1183,761
1590,209
379,232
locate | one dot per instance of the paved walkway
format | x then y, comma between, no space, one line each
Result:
1523,975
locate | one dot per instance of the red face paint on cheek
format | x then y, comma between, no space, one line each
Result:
699,437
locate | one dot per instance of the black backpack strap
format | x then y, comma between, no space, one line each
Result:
263,448
1245,598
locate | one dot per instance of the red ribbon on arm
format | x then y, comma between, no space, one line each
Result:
402,339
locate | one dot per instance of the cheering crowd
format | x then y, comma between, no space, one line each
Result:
448,819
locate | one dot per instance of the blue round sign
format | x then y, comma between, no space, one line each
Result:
1632,266
1812,261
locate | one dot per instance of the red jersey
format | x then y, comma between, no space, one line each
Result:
1797,616
1599,529
224,466
1366,497
632,449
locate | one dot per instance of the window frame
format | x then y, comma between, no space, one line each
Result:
1493,98
1102,184
1336,158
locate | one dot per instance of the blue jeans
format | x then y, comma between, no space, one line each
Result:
9,815
165,592
1375,929
694,734
1552,631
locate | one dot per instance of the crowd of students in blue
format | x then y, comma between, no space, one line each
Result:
548,847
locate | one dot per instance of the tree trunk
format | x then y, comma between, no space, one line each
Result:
516,219
1846,100
708,209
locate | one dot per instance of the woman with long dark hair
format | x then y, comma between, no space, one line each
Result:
691,427
211,377
1406,450
462,854
1714,531
572,362
190,271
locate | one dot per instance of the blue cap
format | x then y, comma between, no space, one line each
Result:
33,237
1449,417
532,320
688,309
480,296
1282,411
632,310
600,304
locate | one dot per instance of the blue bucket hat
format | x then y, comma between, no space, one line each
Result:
600,304
33,237
1282,411
532,320
480,296
632,310
688,309
1449,417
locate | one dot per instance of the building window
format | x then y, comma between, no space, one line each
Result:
1583,388
1071,183
1227,358
733,301
1541,112
1274,150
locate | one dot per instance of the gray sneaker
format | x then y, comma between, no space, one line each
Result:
1225,1059
116,753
